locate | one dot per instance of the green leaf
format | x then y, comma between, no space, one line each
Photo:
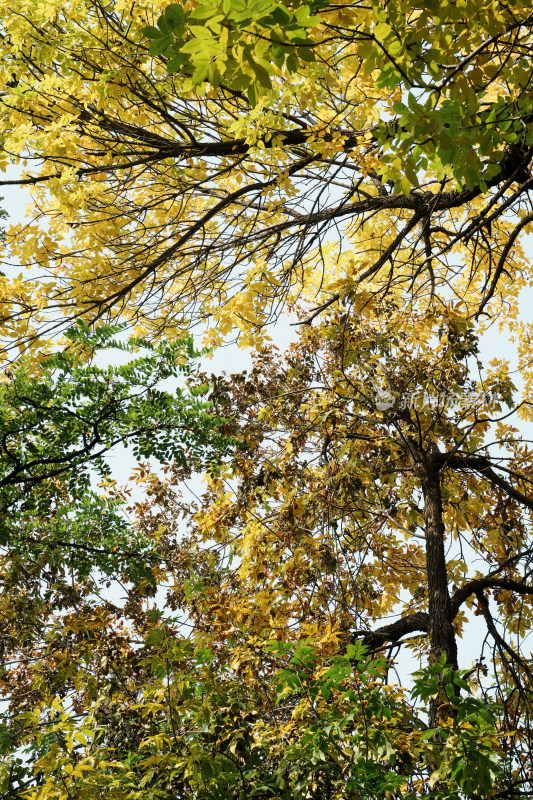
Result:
151,33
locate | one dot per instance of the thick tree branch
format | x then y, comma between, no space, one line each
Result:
413,623
478,584
484,467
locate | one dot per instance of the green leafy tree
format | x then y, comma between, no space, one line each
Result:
62,540
68,414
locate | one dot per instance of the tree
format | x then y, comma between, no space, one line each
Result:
365,513
69,413
382,478
391,141
61,540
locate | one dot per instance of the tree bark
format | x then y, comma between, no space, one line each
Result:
441,632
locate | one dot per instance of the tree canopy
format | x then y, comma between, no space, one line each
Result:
302,624
365,514
213,169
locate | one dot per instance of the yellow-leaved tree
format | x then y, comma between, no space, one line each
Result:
204,168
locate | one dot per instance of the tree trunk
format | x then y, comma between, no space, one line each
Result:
441,632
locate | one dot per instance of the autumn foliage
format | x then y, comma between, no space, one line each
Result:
341,608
